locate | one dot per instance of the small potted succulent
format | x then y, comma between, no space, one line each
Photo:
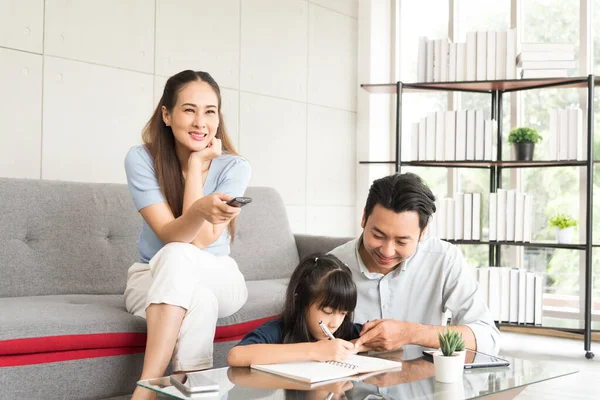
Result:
563,226
449,362
523,140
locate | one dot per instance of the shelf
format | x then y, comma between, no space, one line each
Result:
521,244
484,164
481,86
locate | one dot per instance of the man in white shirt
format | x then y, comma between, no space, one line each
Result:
406,282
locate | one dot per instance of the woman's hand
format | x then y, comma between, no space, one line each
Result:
214,208
212,150
333,350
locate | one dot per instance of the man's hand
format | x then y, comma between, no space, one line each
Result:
385,334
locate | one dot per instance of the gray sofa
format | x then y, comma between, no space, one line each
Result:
64,252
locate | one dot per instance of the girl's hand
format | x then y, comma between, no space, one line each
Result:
333,350
214,209
212,150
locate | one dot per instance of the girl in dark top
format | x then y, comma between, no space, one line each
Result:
321,289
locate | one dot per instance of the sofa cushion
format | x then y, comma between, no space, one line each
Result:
56,328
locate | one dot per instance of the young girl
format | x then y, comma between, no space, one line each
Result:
180,180
321,289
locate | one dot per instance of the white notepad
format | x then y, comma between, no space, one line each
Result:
314,371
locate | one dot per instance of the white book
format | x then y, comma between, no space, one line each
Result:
563,134
467,214
494,292
315,371
500,55
422,60
459,205
470,136
529,298
444,49
528,218
450,136
431,121
440,135
553,134
546,56
539,299
483,278
511,54
504,294
548,65
522,296
574,133
481,55
519,216
488,139
543,73
452,62
461,135
437,60
461,62
414,141
471,56
430,56
449,219
492,231
491,55
476,223
510,215
479,135
514,296
423,139
501,214
441,220
548,47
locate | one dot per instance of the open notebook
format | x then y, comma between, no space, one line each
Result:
314,371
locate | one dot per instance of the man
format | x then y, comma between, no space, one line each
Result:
405,282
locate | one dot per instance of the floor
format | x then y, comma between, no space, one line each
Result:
583,385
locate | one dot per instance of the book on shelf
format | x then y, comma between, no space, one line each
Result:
522,296
529,298
461,62
422,60
483,280
519,215
452,62
459,216
492,218
547,65
563,134
468,216
501,214
461,135
430,149
491,56
470,136
481,74
450,137
441,218
444,50
543,73
430,56
422,139
314,371
471,70
510,215
440,135
479,135
514,296
449,219
545,56
539,299
548,47
575,118
488,139
476,223
494,293
437,58
504,293
501,55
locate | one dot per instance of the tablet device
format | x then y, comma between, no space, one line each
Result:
475,359
193,382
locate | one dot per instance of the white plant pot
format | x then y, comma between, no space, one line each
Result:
449,391
448,369
564,236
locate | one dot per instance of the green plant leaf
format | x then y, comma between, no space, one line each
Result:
562,221
524,134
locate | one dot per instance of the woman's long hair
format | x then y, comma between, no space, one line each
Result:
322,280
160,141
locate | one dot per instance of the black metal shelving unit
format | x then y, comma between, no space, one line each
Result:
497,89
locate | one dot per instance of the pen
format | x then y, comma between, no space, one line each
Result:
326,331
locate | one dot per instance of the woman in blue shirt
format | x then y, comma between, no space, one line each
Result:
180,181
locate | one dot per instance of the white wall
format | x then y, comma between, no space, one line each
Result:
78,80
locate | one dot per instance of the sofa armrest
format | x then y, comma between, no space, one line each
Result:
310,244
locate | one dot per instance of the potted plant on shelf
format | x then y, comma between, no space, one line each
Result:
563,226
449,362
524,139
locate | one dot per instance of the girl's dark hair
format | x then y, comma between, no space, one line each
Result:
402,192
320,279
160,142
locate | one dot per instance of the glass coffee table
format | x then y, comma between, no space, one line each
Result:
416,380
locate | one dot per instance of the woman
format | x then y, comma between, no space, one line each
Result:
180,181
